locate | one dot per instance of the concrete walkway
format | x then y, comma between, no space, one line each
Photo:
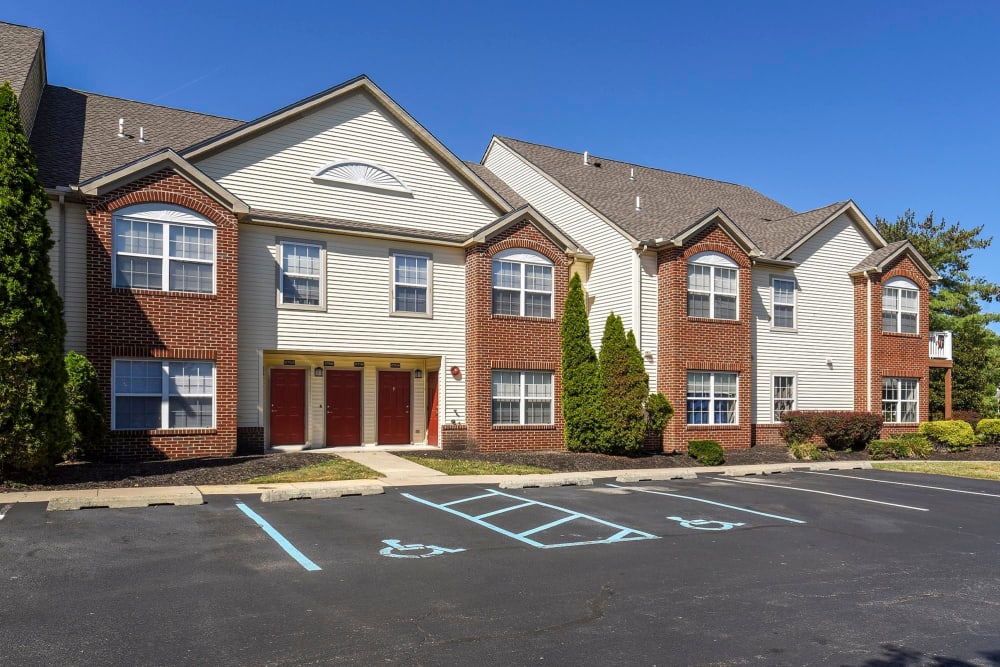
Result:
391,465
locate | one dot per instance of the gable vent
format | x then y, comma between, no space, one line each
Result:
360,173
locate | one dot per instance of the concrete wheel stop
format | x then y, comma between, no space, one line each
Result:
125,498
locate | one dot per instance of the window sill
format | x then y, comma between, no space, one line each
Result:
411,316
523,427
712,320
165,293
897,334
725,427
301,306
784,330
166,431
498,316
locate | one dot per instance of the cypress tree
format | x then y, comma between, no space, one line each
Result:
581,394
623,404
85,413
32,374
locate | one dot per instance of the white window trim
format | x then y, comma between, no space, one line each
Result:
714,261
522,398
393,254
523,257
165,215
711,398
774,399
899,284
279,252
164,395
794,305
391,183
899,399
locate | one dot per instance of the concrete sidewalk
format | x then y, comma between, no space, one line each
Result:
398,472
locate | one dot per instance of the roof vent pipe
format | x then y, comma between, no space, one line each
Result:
631,173
638,203
121,127
586,157
142,135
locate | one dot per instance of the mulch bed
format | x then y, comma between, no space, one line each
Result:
241,469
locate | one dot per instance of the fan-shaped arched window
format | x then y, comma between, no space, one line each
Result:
361,173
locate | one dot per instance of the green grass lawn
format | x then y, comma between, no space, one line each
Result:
327,471
974,469
460,467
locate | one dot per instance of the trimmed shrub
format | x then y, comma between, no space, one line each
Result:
879,450
625,387
806,451
956,435
899,448
839,430
706,452
85,415
919,444
989,431
581,381
659,411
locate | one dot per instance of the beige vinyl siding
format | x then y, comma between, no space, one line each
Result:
356,322
611,278
73,286
274,171
824,324
648,283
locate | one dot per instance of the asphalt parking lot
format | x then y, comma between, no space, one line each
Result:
840,568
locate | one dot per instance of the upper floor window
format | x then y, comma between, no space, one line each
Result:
783,303
301,279
713,286
163,247
900,306
522,283
411,283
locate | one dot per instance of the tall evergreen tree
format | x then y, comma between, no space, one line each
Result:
625,427
32,375
581,391
955,305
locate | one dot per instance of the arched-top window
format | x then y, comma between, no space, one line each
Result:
900,306
522,283
163,247
360,172
713,286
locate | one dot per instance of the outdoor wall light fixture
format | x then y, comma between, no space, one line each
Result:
418,373
318,372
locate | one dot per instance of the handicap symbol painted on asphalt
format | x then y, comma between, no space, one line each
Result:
705,524
395,547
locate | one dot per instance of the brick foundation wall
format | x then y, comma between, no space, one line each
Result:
149,324
767,434
250,440
696,344
454,436
893,354
508,342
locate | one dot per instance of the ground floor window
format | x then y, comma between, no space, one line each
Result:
783,395
162,394
711,397
522,397
899,400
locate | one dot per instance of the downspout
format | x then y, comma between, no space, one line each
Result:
62,247
868,346
637,297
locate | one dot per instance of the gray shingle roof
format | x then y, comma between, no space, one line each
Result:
339,224
670,201
875,260
512,198
75,134
18,44
775,236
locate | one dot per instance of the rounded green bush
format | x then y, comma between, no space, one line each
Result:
957,436
706,452
989,431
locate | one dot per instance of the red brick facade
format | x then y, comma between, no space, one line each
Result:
150,324
699,344
892,354
512,343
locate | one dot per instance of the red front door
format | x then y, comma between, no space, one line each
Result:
432,407
343,408
394,407
288,406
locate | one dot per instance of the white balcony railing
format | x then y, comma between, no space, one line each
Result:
940,347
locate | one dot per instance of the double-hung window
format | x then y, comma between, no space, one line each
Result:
411,281
900,306
301,279
711,398
783,395
522,284
163,247
899,400
149,395
783,303
713,286
522,397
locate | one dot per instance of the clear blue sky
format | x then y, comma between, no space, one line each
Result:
892,104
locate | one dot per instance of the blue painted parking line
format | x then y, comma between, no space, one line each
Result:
710,502
279,538
622,534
